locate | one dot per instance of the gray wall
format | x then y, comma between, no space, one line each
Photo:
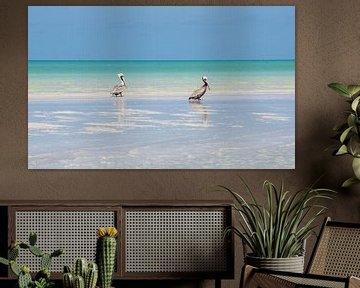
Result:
327,50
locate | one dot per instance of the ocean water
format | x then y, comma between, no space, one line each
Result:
245,121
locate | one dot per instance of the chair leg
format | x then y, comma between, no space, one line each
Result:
217,283
246,274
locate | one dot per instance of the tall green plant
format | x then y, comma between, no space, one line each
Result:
279,229
106,254
348,132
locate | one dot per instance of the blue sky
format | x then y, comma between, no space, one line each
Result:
161,32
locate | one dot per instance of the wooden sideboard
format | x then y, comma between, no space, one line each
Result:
157,240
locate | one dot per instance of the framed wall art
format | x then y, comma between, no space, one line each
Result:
161,87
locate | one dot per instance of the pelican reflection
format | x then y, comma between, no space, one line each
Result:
201,110
120,108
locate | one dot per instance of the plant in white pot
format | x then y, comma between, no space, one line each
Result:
276,233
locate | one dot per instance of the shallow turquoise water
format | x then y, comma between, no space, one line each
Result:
246,121
71,79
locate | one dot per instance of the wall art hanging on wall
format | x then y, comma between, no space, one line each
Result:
150,87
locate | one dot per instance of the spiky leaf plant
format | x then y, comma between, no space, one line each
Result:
278,229
43,283
348,133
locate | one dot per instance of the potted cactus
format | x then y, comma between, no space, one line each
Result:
42,278
85,275
106,254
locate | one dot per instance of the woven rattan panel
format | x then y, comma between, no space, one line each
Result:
75,231
268,280
311,282
338,253
175,241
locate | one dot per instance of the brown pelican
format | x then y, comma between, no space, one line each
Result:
120,88
198,93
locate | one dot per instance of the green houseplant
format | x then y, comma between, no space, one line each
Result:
275,233
42,278
348,133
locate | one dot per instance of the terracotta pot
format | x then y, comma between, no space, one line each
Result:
291,264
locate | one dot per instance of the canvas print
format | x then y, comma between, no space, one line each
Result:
152,87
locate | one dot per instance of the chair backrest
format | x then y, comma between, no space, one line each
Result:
337,251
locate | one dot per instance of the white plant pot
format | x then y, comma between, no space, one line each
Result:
291,264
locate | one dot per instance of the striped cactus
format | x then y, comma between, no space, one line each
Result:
91,276
68,280
79,282
80,268
84,276
106,254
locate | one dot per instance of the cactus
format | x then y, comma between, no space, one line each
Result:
42,278
24,279
67,269
57,252
68,280
25,269
79,282
4,261
36,251
45,261
44,273
14,268
105,254
90,272
91,276
32,239
24,246
13,253
80,267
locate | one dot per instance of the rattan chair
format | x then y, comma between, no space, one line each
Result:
334,263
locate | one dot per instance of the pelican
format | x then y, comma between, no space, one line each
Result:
120,88
198,93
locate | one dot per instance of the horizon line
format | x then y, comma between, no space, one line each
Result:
164,60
